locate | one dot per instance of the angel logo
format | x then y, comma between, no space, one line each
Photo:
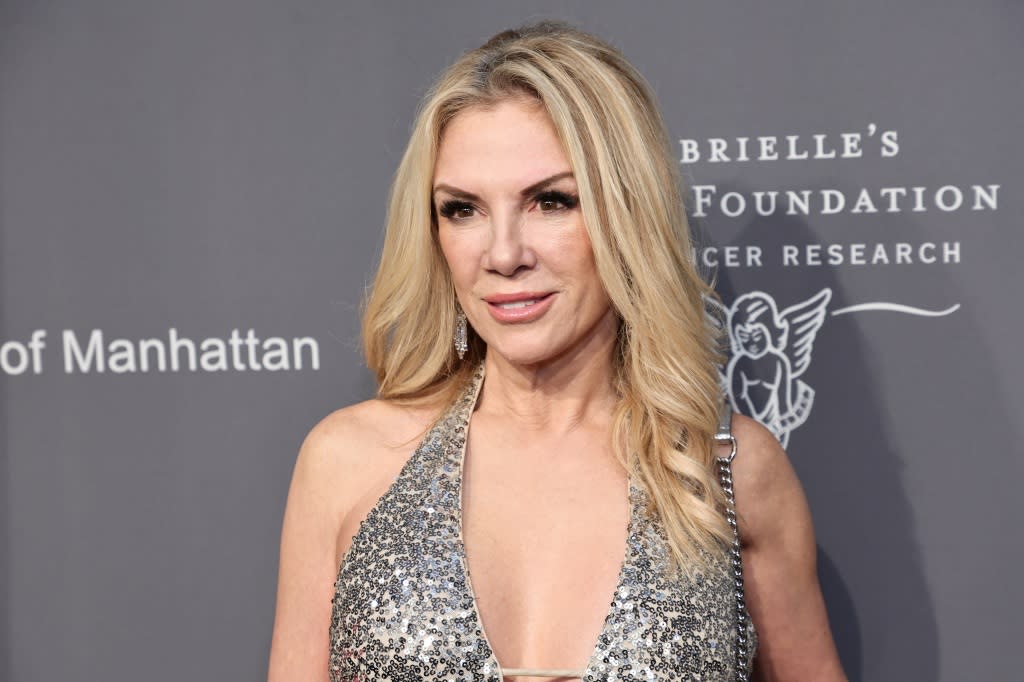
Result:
770,352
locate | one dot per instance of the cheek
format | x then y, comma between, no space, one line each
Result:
569,251
461,255
445,243
586,267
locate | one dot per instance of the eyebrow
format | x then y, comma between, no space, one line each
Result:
528,191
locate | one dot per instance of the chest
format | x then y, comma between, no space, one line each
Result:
544,551
405,607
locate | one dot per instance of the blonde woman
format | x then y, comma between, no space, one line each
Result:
536,492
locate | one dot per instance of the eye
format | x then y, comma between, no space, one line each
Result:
553,200
455,210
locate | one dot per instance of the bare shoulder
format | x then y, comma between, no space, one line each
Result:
767,488
348,452
372,423
350,443
759,456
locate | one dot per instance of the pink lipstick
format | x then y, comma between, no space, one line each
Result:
525,306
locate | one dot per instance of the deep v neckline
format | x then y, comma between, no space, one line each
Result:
459,471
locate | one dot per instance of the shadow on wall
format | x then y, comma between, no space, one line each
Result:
842,616
869,564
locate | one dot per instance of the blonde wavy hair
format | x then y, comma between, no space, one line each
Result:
666,354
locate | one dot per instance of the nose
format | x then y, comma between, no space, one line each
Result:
508,250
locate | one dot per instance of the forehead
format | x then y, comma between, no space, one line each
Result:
509,143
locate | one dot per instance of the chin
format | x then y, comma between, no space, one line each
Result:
524,354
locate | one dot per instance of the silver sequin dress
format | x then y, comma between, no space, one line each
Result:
404,610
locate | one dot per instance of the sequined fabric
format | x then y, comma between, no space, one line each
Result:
404,611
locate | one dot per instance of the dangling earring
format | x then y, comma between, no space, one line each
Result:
461,344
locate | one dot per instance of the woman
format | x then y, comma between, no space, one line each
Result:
534,286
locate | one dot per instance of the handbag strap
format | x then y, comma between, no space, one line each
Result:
724,437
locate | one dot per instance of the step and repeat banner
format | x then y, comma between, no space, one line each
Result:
191,203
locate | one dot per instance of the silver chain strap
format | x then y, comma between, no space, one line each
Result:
725,479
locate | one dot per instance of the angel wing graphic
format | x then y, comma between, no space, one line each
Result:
770,352
802,322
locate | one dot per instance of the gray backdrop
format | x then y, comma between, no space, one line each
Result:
219,165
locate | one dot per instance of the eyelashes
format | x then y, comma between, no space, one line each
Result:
549,201
553,199
454,209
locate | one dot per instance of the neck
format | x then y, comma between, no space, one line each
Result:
555,396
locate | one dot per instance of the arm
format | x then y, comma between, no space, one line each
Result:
299,646
779,557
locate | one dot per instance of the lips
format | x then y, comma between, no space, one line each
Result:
515,305
525,306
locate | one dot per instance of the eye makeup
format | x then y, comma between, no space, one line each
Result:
548,201
453,209
553,196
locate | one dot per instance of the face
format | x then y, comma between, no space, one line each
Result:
512,232
753,339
